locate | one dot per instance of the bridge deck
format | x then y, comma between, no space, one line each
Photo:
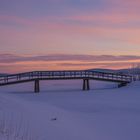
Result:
63,75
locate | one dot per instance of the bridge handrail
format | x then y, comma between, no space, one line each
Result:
86,71
40,74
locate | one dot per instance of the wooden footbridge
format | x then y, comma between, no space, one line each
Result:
84,75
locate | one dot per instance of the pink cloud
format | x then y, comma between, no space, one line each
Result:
17,63
50,33
129,2
15,19
45,27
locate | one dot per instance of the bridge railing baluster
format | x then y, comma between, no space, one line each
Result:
85,74
92,74
74,74
48,74
63,74
81,73
5,79
38,74
31,74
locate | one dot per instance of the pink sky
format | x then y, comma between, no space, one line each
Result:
89,27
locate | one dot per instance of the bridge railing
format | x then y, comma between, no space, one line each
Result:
112,76
64,74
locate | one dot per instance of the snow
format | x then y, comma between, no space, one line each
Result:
62,111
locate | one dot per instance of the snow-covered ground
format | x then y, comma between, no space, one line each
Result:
62,111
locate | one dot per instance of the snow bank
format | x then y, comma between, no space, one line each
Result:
62,111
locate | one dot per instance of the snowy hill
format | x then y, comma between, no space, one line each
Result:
104,70
120,71
62,111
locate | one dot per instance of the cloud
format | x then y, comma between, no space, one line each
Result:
12,58
12,63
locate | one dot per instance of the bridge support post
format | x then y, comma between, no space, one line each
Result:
88,88
36,86
86,84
